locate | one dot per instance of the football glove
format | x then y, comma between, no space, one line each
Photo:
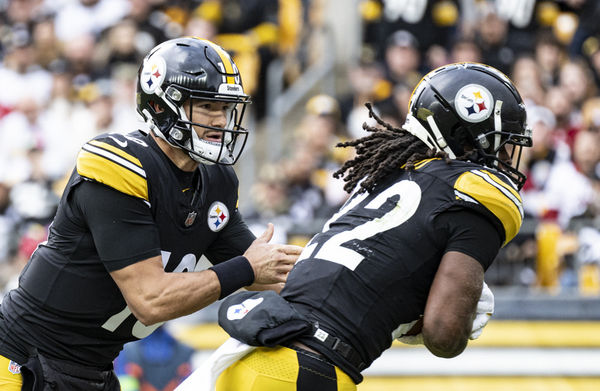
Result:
414,338
484,311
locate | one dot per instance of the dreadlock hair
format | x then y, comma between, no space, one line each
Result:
384,150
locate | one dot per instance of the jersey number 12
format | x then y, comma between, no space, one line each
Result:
333,250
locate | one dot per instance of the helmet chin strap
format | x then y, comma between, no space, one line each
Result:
196,146
414,127
440,140
152,126
497,125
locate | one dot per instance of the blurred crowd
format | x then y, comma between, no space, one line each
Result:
550,49
68,70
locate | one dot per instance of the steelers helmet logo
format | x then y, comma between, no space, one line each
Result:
218,216
473,103
153,73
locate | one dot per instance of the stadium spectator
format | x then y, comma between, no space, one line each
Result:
493,38
150,23
547,151
158,362
567,191
87,17
567,116
586,157
590,114
269,195
367,83
526,75
465,50
393,109
574,78
249,30
127,223
19,71
402,58
549,54
45,42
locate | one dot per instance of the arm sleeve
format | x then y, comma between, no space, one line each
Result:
121,225
470,233
234,240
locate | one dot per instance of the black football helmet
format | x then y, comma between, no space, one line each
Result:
466,107
189,69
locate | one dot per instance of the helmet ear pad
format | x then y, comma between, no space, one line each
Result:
461,140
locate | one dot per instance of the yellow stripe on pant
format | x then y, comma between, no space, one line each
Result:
9,381
282,369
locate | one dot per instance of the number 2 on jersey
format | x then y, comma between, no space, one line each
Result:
406,206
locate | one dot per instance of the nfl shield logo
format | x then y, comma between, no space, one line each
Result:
14,368
191,217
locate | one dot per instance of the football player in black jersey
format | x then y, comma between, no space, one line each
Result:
404,258
137,208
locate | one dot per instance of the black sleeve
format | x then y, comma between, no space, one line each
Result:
121,225
470,233
234,240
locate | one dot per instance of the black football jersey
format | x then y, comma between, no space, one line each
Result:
67,304
370,269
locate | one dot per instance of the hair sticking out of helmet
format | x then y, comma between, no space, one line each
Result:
471,108
182,73
382,151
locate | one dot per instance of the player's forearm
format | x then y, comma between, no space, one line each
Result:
176,295
164,296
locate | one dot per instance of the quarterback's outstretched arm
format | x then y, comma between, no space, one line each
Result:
154,295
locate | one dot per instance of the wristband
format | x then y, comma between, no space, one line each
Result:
233,274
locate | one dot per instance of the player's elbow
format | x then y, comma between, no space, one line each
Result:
148,318
444,340
147,312
445,347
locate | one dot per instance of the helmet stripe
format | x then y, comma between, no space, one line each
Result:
225,59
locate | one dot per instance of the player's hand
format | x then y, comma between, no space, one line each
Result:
484,311
412,339
271,262
410,333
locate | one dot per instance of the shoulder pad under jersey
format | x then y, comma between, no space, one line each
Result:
496,193
111,160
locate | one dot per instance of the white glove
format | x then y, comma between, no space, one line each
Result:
416,339
412,339
484,311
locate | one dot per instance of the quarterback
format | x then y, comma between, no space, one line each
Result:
137,209
431,204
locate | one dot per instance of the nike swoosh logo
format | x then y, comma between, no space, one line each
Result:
123,144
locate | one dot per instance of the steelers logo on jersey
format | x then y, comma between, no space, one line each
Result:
218,216
473,103
153,74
